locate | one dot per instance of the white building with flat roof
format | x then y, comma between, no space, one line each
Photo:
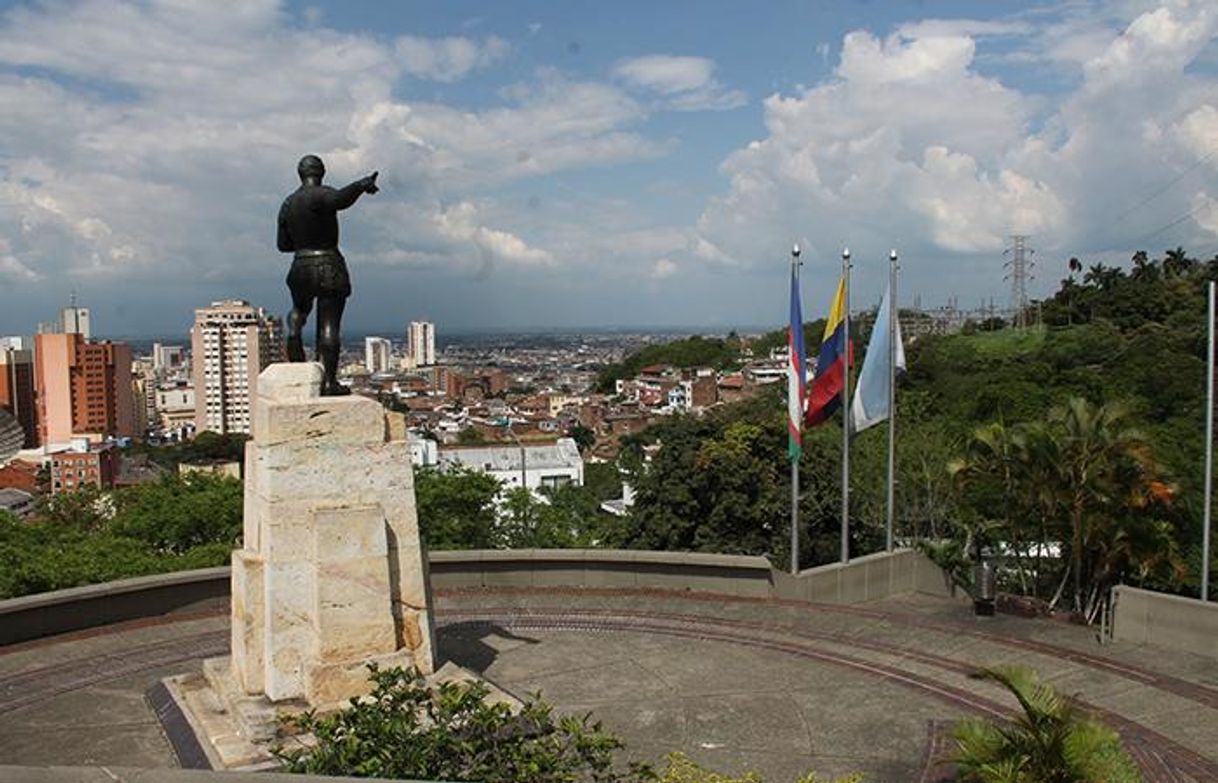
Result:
527,464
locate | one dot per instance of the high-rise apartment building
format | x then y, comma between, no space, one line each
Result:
421,343
377,353
17,390
75,320
167,359
231,343
82,388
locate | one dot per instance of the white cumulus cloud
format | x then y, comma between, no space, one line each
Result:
161,137
911,144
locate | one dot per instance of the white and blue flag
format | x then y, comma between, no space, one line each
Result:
870,404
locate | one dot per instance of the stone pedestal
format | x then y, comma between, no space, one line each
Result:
332,575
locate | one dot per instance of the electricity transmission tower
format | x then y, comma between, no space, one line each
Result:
1019,267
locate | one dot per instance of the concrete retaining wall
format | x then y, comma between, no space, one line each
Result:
864,579
867,578
1146,617
731,574
61,611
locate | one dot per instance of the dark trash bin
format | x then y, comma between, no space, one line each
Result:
984,585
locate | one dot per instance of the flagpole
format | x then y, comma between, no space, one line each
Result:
795,462
892,389
1209,453
846,408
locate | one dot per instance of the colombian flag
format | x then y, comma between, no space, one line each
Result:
825,396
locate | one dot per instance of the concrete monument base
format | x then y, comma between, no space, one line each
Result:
331,575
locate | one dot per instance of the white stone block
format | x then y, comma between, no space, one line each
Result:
353,611
351,419
290,637
290,382
248,621
250,521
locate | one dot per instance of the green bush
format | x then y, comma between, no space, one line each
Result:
409,729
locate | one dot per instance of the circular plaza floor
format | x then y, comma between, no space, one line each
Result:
737,684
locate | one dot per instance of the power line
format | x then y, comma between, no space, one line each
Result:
1163,188
1171,225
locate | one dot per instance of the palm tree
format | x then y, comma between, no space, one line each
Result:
1143,268
998,455
1051,741
1176,262
1103,467
1084,477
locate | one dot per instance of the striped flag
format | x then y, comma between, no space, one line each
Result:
825,396
795,373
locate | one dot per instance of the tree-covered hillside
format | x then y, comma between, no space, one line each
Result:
1128,343
695,351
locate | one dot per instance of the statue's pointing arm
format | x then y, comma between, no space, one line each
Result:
345,197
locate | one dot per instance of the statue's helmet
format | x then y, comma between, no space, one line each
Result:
311,166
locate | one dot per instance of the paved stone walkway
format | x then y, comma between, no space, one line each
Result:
778,687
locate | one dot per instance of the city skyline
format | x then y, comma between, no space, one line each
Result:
553,167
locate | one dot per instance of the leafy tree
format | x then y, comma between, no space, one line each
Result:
177,513
712,487
583,436
695,351
1051,741
83,510
206,447
603,480
87,537
456,508
528,523
408,729
471,436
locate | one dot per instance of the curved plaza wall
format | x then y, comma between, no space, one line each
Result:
1147,617
866,578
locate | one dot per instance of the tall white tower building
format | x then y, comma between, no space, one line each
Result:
75,320
231,343
377,352
421,343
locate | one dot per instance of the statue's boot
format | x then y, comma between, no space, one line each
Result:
295,349
330,387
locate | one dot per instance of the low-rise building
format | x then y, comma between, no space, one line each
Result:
16,501
177,410
81,463
525,464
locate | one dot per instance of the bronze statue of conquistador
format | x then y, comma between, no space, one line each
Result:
308,227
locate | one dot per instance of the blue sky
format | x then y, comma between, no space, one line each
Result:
577,164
